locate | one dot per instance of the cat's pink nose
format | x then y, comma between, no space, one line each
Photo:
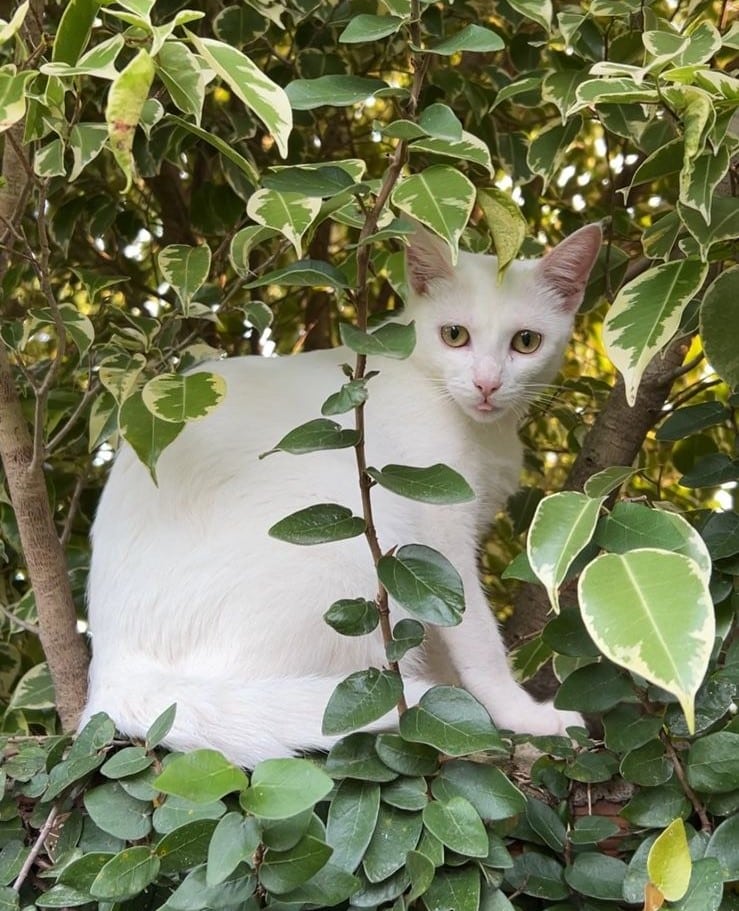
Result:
486,389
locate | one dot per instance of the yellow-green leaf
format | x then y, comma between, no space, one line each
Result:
668,862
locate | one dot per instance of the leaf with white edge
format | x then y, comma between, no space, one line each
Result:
452,721
242,243
12,96
468,148
699,181
201,776
669,864
362,698
99,61
560,88
147,434
440,198
258,92
395,340
126,97
120,373
183,77
651,612
291,214
424,583
335,91
435,484
547,150
185,268
49,160
34,691
243,164
505,222
720,308
539,11
366,27
318,525
562,526
320,181
308,273
646,314
470,38
609,479
314,436
176,398
281,788
86,140
8,29
724,224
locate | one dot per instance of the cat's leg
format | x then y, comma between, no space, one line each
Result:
478,656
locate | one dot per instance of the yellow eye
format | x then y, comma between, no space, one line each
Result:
455,336
526,341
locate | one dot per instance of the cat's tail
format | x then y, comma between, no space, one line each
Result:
247,720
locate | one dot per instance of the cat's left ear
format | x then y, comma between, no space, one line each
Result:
566,268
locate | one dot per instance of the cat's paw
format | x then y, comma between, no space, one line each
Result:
541,718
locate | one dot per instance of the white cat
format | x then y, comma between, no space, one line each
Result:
190,600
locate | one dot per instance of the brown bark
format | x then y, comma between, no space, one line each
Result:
47,570
615,438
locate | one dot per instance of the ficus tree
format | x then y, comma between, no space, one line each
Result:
179,183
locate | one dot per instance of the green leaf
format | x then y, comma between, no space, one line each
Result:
281,788
363,697
185,269
720,308
161,726
336,91
454,890
395,340
439,121
597,876
242,243
314,436
634,525
589,830
258,92
34,691
12,96
289,213
366,27
724,845
650,611
539,11
424,583
86,140
682,422
547,150
668,863
468,148
713,763
352,616
74,30
396,833
234,840
126,875
440,198
546,823
559,87
646,315
59,897
128,761
594,688
318,524
176,812
484,786
507,225
406,793
706,887
470,38
347,398
407,634
627,728
201,776
49,160
450,720
435,484
185,847
318,181
228,152
282,871
177,398
354,756
562,526
406,758
536,874
179,70
329,887
647,765
352,817
311,273
421,871
609,479
126,97
457,824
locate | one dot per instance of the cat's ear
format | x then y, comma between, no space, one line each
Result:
427,258
566,268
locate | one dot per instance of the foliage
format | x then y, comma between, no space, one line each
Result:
243,180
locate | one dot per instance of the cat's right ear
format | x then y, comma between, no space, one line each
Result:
427,258
566,268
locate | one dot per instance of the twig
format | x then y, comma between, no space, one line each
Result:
37,846
689,792
74,505
89,394
24,624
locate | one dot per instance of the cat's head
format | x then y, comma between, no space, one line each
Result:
489,346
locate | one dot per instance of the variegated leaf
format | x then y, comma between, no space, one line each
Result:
562,526
698,181
120,373
126,98
258,92
289,213
86,141
12,95
440,198
176,398
8,29
468,148
646,315
99,61
650,611
185,269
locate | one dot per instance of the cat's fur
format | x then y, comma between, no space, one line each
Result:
190,600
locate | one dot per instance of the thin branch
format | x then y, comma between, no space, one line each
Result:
688,791
24,624
74,505
91,391
37,847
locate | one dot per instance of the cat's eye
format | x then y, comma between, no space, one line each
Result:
455,336
526,341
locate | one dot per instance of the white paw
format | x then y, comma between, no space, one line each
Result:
540,718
